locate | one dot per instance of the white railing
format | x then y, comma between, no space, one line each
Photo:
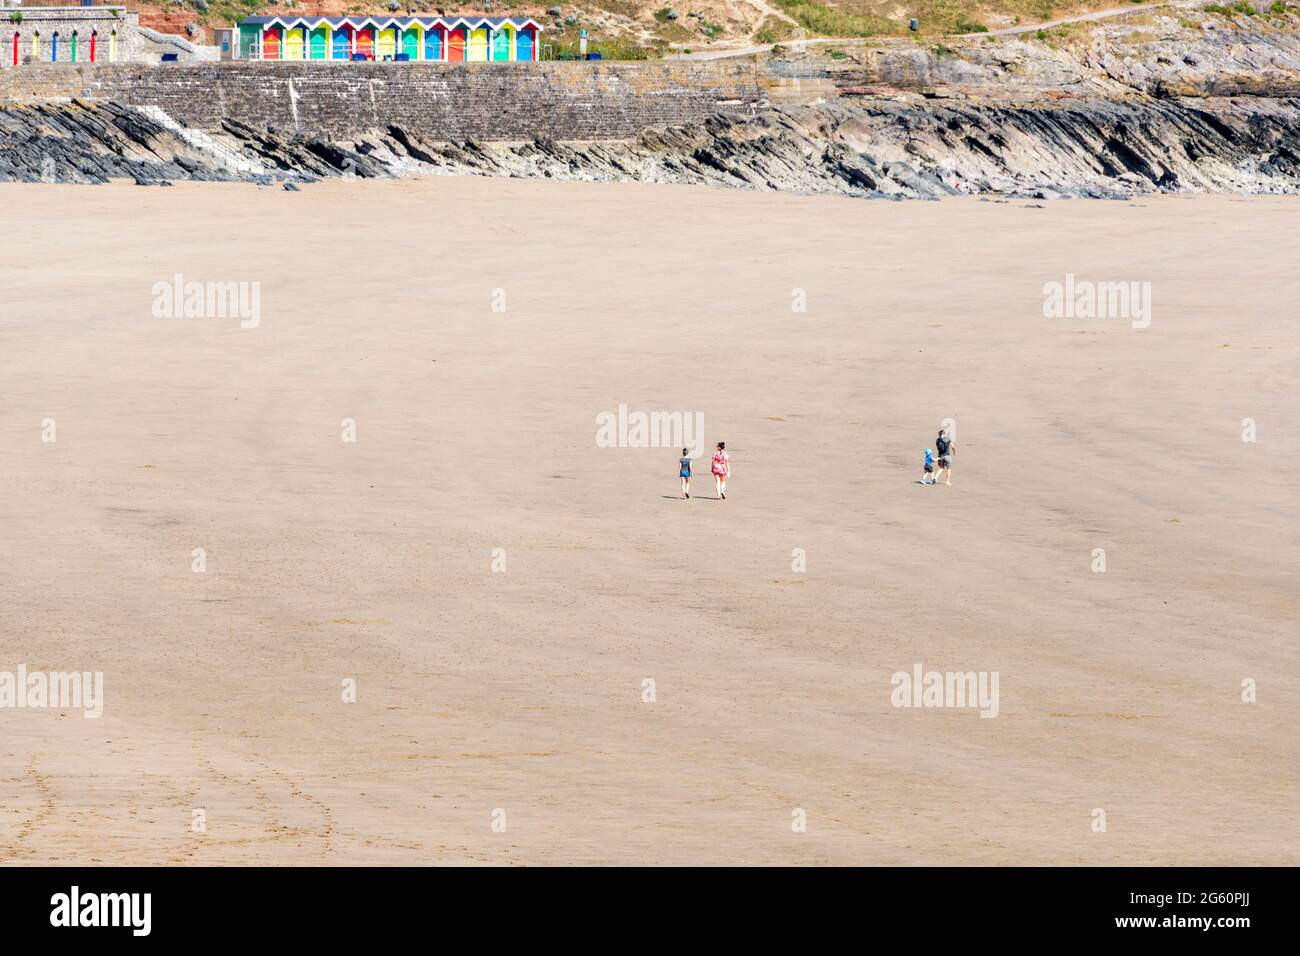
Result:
372,56
303,55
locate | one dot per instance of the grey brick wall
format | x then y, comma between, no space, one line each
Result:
448,101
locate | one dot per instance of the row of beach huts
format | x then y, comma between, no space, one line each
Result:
95,34
443,38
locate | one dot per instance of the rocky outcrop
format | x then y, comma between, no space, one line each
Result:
919,149
1204,56
905,147
94,144
1153,55
1118,115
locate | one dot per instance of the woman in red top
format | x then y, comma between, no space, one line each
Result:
721,469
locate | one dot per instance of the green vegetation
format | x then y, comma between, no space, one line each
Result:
773,30
624,8
232,11
672,31
823,21
827,18
1227,10
862,18
16,17
965,16
613,48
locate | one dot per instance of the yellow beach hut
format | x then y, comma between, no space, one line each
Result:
478,45
293,43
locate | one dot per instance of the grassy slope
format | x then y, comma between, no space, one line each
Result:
620,25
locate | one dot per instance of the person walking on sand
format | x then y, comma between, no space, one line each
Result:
721,469
684,472
927,475
944,445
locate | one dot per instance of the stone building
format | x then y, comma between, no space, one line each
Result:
106,34
67,34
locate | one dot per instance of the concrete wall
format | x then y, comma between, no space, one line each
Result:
154,44
447,101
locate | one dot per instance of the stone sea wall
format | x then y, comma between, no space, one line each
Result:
440,101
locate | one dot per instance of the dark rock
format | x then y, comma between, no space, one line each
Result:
1083,147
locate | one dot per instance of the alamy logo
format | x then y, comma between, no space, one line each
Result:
56,690
1084,299
650,430
958,689
179,299
103,909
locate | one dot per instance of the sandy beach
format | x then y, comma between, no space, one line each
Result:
473,330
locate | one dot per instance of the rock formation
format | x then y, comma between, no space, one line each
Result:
1207,105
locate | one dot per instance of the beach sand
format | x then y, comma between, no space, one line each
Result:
522,691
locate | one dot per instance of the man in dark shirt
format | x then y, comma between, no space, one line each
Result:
944,446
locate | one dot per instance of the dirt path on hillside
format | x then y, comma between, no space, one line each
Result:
1112,13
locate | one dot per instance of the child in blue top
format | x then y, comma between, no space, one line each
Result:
927,477
684,472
